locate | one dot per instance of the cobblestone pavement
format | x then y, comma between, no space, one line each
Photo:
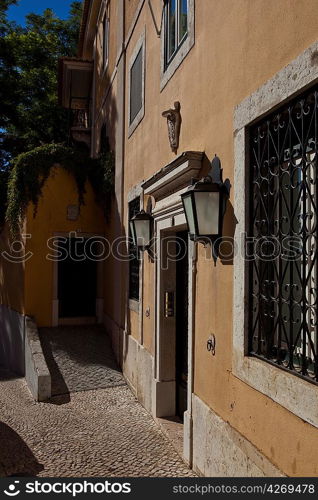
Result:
103,432
79,359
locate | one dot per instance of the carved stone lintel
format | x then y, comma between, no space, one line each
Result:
174,123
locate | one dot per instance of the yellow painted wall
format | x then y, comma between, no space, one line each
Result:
239,44
59,191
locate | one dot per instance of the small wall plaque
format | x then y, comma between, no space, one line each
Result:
72,212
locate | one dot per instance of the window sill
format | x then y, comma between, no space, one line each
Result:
296,395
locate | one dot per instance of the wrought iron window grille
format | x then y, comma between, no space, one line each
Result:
283,209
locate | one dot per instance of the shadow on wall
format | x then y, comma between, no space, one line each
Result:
111,121
12,340
11,273
11,301
16,458
227,247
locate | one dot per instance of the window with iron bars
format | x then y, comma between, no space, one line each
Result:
283,234
134,265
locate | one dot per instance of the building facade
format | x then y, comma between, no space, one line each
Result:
228,346
225,341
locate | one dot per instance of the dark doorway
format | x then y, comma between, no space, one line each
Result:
182,304
77,278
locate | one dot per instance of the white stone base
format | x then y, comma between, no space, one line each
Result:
221,451
187,437
136,362
138,369
37,374
164,398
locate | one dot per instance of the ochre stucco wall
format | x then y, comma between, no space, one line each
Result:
239,44
59,191
130,11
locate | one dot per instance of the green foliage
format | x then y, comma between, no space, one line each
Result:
31,170
33,127
29,112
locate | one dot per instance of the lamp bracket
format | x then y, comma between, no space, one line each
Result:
216,171
215,176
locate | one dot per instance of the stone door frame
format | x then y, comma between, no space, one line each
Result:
166,188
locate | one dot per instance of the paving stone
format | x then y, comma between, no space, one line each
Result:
93,426
79,358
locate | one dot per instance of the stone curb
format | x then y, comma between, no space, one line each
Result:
37,374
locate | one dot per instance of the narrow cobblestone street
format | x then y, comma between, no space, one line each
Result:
93,425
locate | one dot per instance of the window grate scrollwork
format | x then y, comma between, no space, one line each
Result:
283,237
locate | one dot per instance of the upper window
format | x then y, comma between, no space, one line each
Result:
105,38
283,230
177,36
136,85
176,27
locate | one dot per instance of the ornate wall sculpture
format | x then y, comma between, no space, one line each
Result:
174,123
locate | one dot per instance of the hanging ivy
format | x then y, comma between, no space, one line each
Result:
31,170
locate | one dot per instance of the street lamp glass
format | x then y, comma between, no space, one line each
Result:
188,208
142,232
207,206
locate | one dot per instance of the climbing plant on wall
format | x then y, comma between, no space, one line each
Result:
31,170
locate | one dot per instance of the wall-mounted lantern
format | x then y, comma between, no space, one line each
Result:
141,230
204,205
